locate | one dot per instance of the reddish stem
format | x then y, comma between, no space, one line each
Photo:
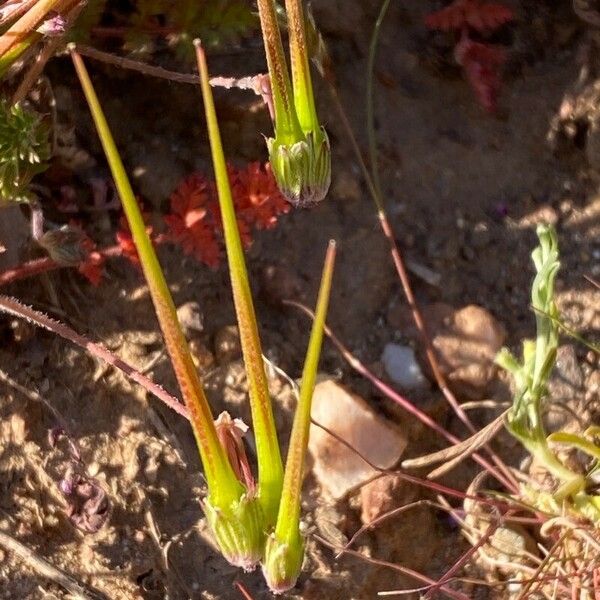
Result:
46,264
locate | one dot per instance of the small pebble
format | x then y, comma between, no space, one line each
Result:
191,318
402,367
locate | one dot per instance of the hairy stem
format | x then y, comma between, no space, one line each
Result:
224,488
270,468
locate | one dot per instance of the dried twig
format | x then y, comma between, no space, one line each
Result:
19,30
43,568
455,454
13,10
253,82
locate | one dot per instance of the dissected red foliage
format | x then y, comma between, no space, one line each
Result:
191,224
481,16
195,221
481,61
256,197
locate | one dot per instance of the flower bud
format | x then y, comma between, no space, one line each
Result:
53,25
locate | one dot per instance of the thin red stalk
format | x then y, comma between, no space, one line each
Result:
243,591
407,288
396,511
426,483
462,561
43,265
403,402
14,307
533,583
390,514
20,310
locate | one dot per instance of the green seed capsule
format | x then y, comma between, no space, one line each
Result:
283,563
238,531
302,169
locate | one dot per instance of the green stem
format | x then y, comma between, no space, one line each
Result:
287,127
11,55
284,551
289,511
301,79
223,486
270,467
577,442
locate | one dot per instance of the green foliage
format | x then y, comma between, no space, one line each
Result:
178,21
214,21
531,375
24,150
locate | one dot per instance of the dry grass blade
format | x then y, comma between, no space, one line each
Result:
456,453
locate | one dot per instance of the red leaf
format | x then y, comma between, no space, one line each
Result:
195,219
191,223
256,196
93,267
487,17
483,17
125,239
450,18
482,64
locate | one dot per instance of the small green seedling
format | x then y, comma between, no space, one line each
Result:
299,153
251,523
24,150
524,419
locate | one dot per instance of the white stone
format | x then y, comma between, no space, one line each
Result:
337,467
402,367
